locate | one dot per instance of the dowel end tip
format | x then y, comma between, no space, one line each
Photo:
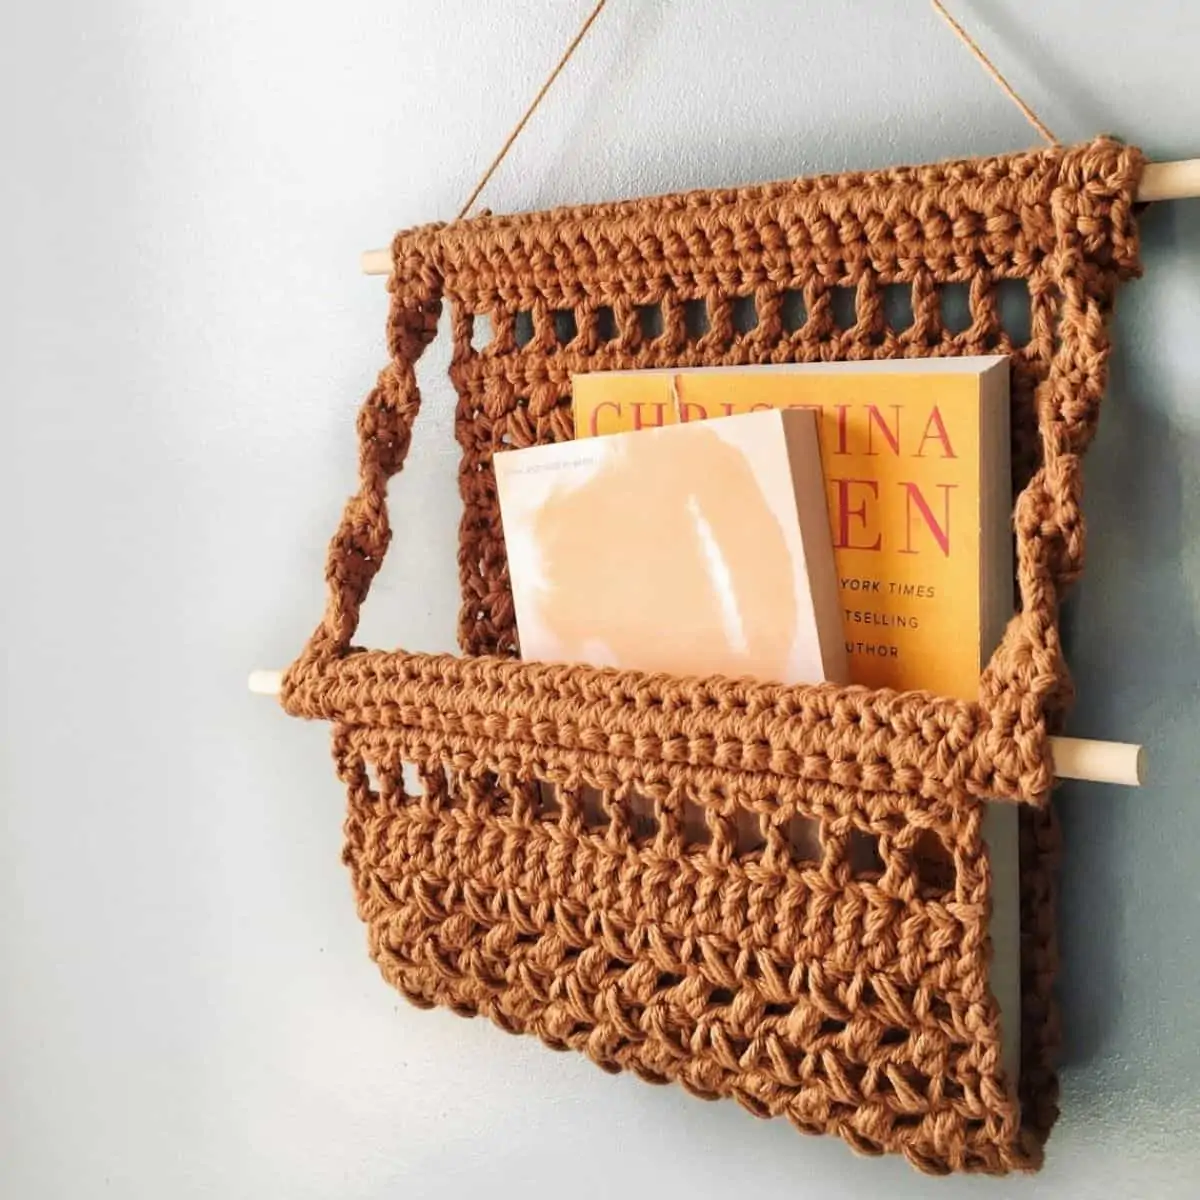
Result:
376,262
265,683
1099,762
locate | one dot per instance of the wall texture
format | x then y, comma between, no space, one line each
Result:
186,1004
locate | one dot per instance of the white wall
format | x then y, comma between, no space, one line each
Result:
186,1004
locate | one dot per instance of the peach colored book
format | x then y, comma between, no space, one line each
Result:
696,549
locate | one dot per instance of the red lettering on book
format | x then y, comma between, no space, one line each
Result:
941,532
841,410
594,419
660,415
845,513
875,421
935,427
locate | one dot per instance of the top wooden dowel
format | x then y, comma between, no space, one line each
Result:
1160,181
1171,180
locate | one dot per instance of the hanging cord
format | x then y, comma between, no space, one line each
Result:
998,79
516,132
939,8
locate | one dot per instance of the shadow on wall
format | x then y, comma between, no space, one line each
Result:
1131,638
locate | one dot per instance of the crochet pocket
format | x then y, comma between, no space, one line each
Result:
779,894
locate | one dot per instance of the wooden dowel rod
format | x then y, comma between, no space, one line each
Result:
376,262
1098,762
1170,180
1160,181
1074,758
266,683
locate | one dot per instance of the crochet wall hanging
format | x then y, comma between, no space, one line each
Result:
852,1002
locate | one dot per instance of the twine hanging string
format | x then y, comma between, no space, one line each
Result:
520,125
998,79
575,42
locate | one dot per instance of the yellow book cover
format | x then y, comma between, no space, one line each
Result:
916,463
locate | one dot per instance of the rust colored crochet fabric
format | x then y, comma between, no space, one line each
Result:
846,991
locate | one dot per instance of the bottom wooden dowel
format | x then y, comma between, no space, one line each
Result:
1074,758
1098,762
266,683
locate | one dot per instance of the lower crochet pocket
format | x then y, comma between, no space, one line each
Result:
749,921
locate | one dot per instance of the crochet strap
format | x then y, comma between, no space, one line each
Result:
384,434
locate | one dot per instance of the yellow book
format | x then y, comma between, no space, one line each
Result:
915,455
916,462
